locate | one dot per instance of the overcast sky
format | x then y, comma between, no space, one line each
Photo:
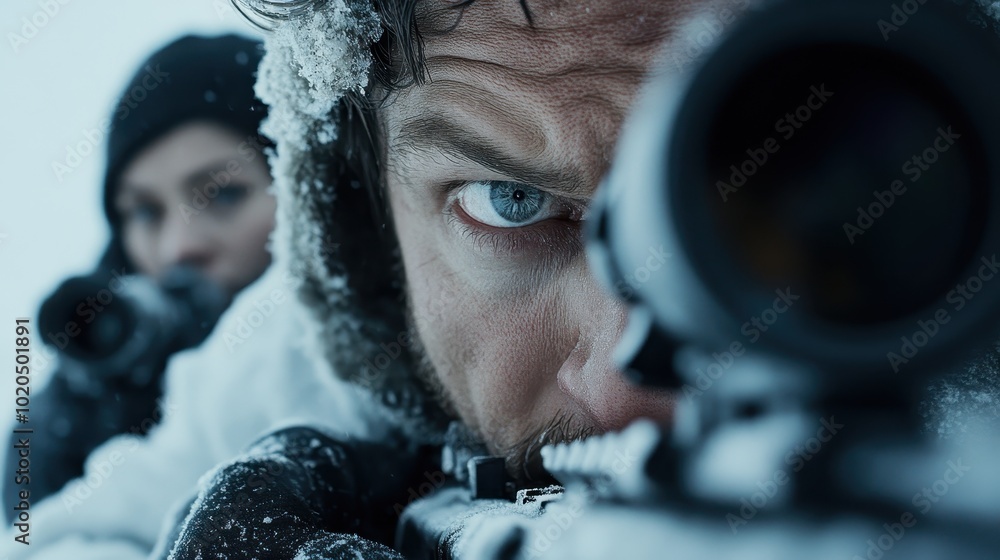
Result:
62,70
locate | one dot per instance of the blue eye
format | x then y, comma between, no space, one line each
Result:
516,203
505,204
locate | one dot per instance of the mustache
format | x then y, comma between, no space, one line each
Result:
524,458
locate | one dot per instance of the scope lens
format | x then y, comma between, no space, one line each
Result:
851,175
108,332
85,325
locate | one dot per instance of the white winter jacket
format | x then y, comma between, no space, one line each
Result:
253,374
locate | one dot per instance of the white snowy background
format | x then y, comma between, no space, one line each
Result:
55,86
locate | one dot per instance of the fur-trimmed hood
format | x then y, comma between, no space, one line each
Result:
328,229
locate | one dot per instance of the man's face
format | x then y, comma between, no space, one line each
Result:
490,169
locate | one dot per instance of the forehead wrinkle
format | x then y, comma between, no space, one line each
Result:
464,121
609,34
434,135
489,107
534,63
490,70
583,93
587,84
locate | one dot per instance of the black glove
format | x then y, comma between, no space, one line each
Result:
301,494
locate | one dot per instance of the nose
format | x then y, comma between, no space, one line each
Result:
589,377
183,242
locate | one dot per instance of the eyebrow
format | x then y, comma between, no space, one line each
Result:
195,179
198,177
437,131
523,3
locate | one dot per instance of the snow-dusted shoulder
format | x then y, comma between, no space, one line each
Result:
254,373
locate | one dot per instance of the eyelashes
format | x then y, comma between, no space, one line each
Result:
551,237
505,204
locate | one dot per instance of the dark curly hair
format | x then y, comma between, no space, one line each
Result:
398,56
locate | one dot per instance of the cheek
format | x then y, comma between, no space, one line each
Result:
521,339
140,248
244,240
497,355
254,223
496,339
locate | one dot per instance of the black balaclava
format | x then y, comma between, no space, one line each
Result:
192,78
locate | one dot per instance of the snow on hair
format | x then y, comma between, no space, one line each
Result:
313,58
317,57
310,63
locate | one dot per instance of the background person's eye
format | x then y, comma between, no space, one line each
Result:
144,213
505,204
229,197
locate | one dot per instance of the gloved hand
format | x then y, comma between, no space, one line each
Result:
301,494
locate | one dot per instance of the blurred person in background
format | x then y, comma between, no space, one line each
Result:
186,196
253,373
